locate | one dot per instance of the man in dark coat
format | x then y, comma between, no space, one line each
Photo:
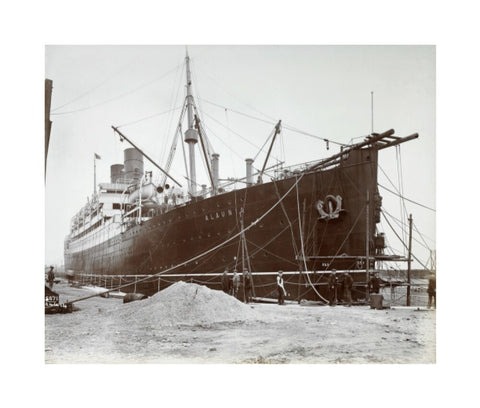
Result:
374,284
347,289
226,283
50,277
432,291
332,288
247,279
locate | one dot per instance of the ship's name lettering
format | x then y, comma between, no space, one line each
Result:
218,214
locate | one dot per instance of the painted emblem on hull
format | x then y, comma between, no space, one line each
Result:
330,208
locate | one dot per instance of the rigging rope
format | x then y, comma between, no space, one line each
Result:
236,97
303,250
420,234
168,127
408,199
148,117
266,141
122,95
399,223
274,123
94,87
238,134
403,243
345,240
402,207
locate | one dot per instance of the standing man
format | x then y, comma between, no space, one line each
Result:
226,282
332,288
374,284
236,283
247,282
51,277
280,288
347,289
432,291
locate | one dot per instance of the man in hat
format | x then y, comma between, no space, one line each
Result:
432,291
50,277
347,288
280,288
247,284
374,283
332,288
226,282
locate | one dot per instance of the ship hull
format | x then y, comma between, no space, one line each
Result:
297,226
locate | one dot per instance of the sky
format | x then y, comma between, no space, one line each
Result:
241,92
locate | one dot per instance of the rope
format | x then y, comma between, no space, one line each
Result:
403,243
421,235
403,212
274,123
349,232
303,250
118,96
254,223
94,87
149,117
266,141
168,126
236,133
408,199
270,252
294,244
214,81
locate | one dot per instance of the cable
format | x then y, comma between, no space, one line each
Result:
236,97
149,117
403,243
408,199
94,87
398,222
303,250
238,134
274,123
422,235
118,96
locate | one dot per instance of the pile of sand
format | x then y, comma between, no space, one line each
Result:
187,304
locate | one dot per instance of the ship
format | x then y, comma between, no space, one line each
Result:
305,220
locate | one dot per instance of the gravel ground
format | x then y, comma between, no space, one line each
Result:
168,329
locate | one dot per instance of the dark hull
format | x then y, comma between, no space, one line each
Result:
274,242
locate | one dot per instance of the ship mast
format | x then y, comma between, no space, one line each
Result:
191,135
